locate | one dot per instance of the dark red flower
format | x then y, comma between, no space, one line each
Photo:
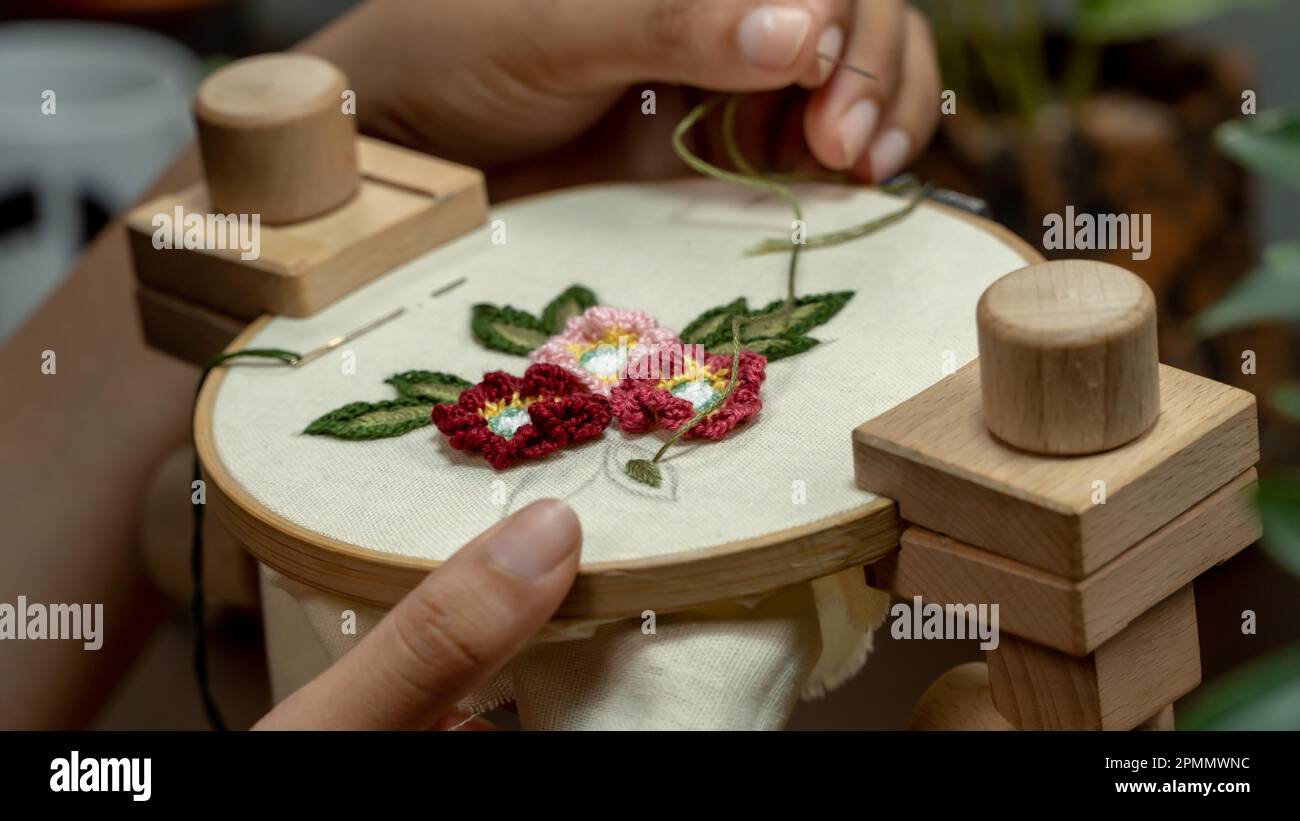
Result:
690,387
509,418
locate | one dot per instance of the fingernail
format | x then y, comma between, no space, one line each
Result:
855,129
537,539
772,36
889,153
830,44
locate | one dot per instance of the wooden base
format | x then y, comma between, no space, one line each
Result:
408,203
1077,616
1150,664
934,455
960,699
183,329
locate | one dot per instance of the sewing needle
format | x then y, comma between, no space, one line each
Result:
837,61
316,353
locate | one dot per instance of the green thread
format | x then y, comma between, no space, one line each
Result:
429,385
374,420
572,302
646,471
750,179
777,244
507,329
773,347
198,602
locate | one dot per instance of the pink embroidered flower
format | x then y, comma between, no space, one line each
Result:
509,418
691,385
603,345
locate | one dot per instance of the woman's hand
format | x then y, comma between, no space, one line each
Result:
450,634
543,92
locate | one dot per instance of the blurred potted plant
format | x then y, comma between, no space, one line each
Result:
1100,109
1264,694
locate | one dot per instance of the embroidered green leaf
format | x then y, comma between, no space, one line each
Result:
712,325
644,471
507,329
808,313
428,385
572,302
374,420
773,347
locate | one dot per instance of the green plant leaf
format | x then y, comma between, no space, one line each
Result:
808,313
1286,400
773,347
644,471
714,324
572,302
1278,499
1270,293
1263,695
507,329
429,385
374,420
1266,143
1111,21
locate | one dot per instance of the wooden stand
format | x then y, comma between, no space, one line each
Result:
1089,557
332,210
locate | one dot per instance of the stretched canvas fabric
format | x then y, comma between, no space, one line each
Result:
673,250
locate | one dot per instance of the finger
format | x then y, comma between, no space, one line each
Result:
909,125
842,116
830,43
451,633
725,45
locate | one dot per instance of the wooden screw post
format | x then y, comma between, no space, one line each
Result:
1068,360
1072,480
274,138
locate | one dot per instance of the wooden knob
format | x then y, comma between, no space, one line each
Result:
1068,360
274,137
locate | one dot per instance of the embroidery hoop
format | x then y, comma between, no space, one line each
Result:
664,582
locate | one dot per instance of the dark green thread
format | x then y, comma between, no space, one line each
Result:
374,420
573,301
775,331
432,386
198,602
507,329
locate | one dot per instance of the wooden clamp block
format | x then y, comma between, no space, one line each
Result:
1077,616
330,211
933,455
1072,480
1120,685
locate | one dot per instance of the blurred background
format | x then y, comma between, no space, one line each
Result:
1112,107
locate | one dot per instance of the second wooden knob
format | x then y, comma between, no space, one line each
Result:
275,139
1068,359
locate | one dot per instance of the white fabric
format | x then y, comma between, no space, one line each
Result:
673,250
732,666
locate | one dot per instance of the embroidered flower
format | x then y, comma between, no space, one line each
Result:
601,345
688,388
509,418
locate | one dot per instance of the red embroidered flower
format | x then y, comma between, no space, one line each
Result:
509,418
688,388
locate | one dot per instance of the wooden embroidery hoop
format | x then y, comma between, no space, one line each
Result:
610,589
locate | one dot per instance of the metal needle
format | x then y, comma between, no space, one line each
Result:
837,61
